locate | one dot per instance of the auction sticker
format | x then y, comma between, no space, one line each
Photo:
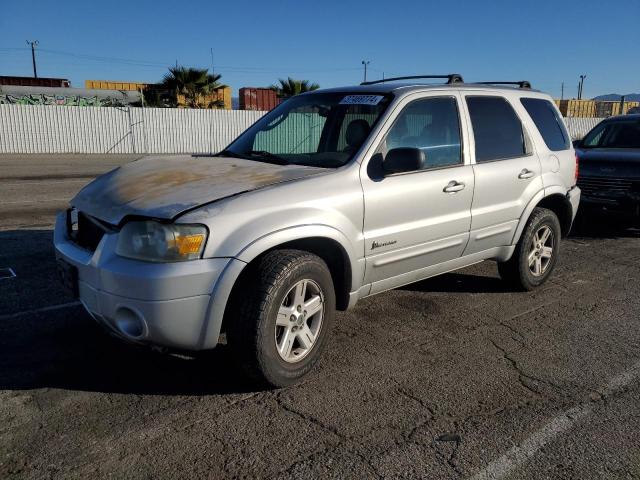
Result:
361,100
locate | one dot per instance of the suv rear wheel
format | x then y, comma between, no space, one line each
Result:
285,306
536,253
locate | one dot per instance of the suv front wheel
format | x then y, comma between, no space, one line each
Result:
285,307
536,253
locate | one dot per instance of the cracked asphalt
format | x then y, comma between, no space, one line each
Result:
439,379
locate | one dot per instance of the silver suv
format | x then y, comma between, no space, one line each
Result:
334,196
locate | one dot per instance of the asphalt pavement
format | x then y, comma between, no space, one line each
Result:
452,377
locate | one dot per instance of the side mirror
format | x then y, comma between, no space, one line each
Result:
401,160
577,143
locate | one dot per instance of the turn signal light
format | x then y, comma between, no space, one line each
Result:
188,244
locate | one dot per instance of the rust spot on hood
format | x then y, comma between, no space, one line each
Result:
166,186
154,185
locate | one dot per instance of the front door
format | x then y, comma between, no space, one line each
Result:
417,219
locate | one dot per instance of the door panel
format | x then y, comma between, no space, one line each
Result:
411,223
507,171
499,199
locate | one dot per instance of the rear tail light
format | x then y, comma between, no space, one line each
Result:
575,179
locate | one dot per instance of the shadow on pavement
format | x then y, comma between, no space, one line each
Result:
66,349
595,224
460,283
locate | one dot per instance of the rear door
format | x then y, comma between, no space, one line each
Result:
418,219
507,170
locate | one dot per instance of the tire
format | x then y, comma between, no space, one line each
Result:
275,350
518,271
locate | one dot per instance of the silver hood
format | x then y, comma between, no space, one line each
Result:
163,187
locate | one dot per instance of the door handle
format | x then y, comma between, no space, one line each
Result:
453,186
525,173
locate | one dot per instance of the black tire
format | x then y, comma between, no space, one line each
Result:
251,333
516,271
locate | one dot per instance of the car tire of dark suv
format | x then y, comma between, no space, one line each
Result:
281,316
536,253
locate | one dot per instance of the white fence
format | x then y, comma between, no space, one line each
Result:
579,126
58,129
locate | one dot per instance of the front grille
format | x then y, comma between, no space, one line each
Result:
604,184
87,233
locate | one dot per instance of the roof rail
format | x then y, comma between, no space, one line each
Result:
521,83
451,78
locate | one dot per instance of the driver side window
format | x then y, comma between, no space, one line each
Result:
433,126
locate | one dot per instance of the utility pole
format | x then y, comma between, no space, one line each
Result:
562,91
211,52
580,86
33,44
365,63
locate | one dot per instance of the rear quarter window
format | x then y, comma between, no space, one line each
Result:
548,123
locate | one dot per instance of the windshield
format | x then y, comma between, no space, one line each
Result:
614,134
319,129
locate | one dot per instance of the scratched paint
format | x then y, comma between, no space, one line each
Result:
163,187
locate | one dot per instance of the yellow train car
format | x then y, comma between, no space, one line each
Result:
114,85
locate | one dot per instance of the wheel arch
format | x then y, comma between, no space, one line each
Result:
326,242
551,199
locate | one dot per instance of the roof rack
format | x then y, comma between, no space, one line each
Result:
451,78
521,83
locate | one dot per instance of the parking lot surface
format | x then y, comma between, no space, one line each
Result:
453,377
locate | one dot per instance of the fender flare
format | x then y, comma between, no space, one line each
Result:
537,198
526,214
222,289
298,232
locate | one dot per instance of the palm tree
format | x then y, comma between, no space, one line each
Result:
195,84
290,87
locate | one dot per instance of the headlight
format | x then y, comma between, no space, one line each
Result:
158,242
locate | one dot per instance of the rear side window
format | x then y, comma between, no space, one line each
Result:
548,122
496,128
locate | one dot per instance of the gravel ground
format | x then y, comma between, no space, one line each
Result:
453,377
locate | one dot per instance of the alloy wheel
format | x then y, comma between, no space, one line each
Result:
541,251
299,320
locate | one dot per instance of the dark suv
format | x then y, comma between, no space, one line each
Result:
609,157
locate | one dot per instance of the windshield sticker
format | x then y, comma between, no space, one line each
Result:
361,100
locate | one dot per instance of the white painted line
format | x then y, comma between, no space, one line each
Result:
50,308
41,182
520,454
48,200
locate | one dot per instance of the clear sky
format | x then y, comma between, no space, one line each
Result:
254,43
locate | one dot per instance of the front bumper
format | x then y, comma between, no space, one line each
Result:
625,204
176,305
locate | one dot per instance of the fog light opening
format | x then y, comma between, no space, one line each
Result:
130,323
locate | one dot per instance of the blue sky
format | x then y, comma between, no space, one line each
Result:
254,43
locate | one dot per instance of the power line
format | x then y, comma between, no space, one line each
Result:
144,63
